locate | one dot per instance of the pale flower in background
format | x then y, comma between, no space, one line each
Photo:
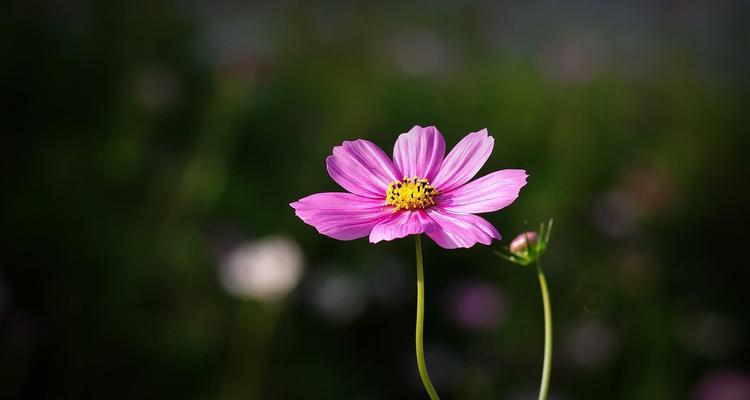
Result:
266,269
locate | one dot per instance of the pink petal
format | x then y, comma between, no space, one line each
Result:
362,168
342,216
486,194
419,152
400,224
460,230
464,161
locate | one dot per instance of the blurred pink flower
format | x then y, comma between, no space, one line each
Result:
477,306
420,191
723,385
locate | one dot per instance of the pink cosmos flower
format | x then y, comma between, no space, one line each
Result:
421,191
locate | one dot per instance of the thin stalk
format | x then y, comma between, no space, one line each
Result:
544,388
249,350
420,324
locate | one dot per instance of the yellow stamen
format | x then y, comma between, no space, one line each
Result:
410,194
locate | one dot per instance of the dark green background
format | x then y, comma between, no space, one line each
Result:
138,136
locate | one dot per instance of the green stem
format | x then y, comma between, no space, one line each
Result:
249,350
544,388
420,324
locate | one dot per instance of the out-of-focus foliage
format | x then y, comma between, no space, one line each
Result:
149,144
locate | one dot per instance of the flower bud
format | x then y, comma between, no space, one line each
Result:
520,245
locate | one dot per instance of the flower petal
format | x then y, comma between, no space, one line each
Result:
400,224
464,161
486,194
342,216
419,152
460,230
362,168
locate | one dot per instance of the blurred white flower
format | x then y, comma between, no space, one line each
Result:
266,269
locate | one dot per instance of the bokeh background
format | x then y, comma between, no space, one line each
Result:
151,148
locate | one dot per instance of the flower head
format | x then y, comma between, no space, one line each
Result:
523,242
421,191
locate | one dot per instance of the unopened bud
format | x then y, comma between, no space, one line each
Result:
528,246
520,245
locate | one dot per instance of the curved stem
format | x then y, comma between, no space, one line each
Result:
544,388
420,324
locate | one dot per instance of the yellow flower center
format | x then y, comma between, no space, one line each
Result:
410,194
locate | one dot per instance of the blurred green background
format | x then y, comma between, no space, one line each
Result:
151,148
